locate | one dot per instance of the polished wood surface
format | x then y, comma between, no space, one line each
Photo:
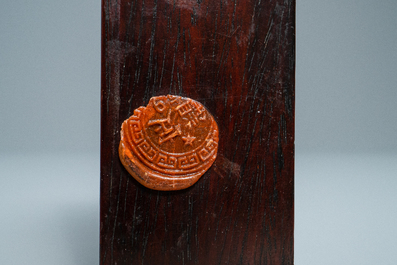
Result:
237,58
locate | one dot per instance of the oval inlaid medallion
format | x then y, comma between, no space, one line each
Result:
170,143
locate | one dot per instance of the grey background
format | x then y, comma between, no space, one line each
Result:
346,121
346,76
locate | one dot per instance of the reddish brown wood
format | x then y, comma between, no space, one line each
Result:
169,144
237,58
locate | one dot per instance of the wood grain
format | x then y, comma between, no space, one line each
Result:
237,58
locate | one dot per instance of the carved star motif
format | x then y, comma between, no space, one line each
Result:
188,139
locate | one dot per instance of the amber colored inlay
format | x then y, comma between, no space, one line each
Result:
170,143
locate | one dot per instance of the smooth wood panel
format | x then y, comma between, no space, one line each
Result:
237,58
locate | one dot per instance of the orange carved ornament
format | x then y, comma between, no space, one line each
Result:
170,143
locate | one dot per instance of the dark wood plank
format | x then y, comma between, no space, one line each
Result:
237,58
